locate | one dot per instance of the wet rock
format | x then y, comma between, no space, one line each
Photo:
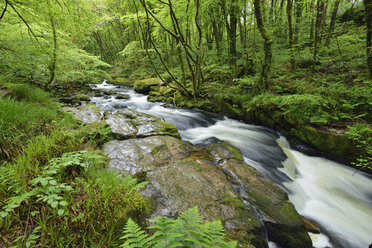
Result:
218,181
182,176
109,92
129,123
311,226
99,94
83,97
88,113
284,225
144,86
122,81
122,96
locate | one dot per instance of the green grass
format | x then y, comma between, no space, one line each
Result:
20,121
51,194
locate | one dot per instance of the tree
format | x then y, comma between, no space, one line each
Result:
368,10
266,66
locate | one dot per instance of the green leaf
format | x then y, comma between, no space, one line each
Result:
61,212
54,204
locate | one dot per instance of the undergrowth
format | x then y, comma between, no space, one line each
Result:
55,189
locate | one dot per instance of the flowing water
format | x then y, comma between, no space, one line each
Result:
329,193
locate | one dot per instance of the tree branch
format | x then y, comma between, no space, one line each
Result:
6,5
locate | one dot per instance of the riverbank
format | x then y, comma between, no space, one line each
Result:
71,182
336,142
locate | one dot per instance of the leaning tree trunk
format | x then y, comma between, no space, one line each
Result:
368,9
266,66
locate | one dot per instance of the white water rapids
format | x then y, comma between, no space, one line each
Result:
328,193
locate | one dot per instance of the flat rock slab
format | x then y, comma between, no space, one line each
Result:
88,113
129,123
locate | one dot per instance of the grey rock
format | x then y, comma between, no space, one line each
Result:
128,123
88,113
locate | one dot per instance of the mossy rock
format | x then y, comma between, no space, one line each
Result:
331,142
82,97
156,99
109,92
144,86
99,94
122,96
122,81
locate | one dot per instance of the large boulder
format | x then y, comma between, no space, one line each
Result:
218,181
88,113
128,123
283,224
144,86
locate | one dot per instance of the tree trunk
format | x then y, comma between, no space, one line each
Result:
290,31
318,27
299,7
52,66
266,66
368,10
333,23
232,32
312,22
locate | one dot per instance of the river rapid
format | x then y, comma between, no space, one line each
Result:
328,193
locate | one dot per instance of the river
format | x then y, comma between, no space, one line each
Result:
328,193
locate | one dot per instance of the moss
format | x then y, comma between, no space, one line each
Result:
168,129
122,81
135,123
236,153
333,143
255,235
144,86
233,201
82,97
109,92
158,149
122,96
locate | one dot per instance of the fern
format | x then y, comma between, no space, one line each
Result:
134,236
187,231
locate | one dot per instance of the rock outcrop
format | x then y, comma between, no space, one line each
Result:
88,113
218,181
213,177
129,123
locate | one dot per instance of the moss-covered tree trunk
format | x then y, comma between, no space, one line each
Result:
266,66
368,10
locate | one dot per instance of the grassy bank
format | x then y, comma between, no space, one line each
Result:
54,188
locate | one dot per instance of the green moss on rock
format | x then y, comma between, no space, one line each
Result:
145,86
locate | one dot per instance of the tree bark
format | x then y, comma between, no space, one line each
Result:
299,7
368,10
52,66
290,32
233,11
333,22
266,66
318,27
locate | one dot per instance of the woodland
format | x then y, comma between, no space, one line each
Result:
302,67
